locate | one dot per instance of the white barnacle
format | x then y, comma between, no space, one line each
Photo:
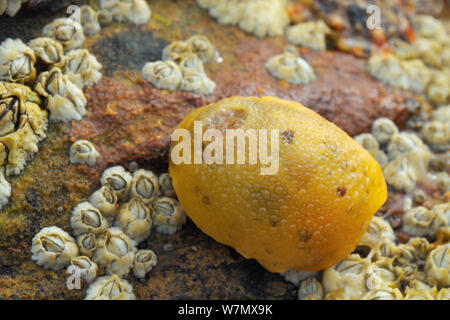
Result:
197,82
401,174
203,48
429,27
87,243
443,294
296,276
83,152
104,17
389,69
119,179
175,51
53,248
442,114
310,289
87,219
436,133
63,98
135,219
166,186
47,50
144,261
162,74
10,7
418,75
115,251
309,34
5,189
420,248
82,68
145,185
17,62
168,216
65,30
291,68
189,62
442,221
384,249
377,230
89,20
86,268
438,91
438,265
403,143
110,288
418,221
384,293
105,199
134,11
368,141
416,294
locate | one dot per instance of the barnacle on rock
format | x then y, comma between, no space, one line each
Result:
225,11
145,185
368,141
5,190
202,48
403,143
168,215
443,294
47,50
87,269
442,114
165,185
10,7
429,27
82,68
197,82
418,75
115,251
53,248
388,68
310,289
17,62
403,172
64,99
291,68
65,30
83,152
309,34
296,276
104,17
442,220
438,90
414,294
438,265
442,180
22,125
189,62
144,261
175,51
418,221
105,199
110,288
119,179
384,249
89,20
162,74
87,243
135,219
436,133
87,219
378,230
134,11
384,293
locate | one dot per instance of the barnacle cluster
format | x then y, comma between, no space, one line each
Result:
17,62
291,68
10,7
309,34
259,17
67,31
118,216
134,11
182,67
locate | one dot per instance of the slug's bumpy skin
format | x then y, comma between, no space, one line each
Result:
87,219
166,186
110,288
119,179
67,31
10,7
22,126
134,11
17,62
144,261
309,34
87,268
87,243
115,252
53,248
163,74
64,99
135,219
105,199
89,20
291,68
5,190
83,152
48,51
82,68
168,216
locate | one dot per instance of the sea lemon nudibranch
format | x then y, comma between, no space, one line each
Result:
309,214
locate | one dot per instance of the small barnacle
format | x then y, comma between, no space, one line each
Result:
89,20
384,249
419,196
22,126
418,75
310,289
436,133
5,189
296,276
383,129
402,49
381,158
104,17
420,248
145,185
134,11
86,268
191,61
438,265
309,34
443,294
82,68
168,215
442,180
10,7
418,221
83,152
110,288
53,248
144,261
291,68
175,51
87,243
428,50
47,50
384,293
163,74
65,30
227,11
377,230
381,274
403,143
17,62
368,141
442,114
197,82
135,219
87,219
438,91
119,179
400,174
115,251
414,294
105,199
64,99
388,68
165,185
429,27
203,48
442,221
